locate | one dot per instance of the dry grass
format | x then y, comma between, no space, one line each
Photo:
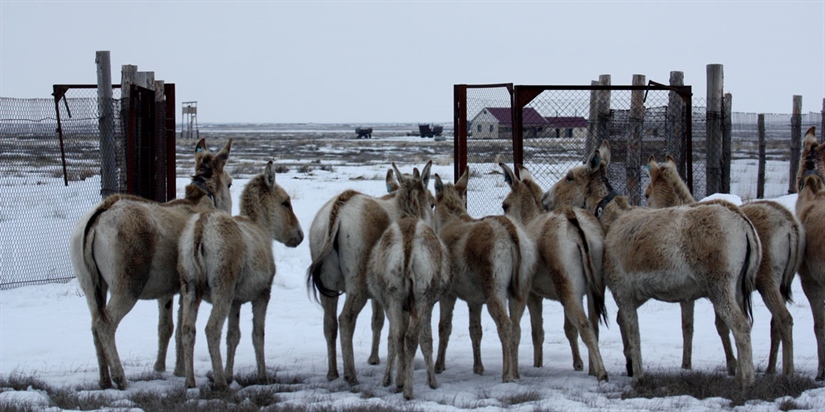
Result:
710,384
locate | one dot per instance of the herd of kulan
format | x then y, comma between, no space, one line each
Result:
409,249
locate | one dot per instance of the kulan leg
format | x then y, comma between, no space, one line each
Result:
179,368
534,308
816,295
724,334
377,326
233,337
330,306
516,309
445,327
166,328
475,336
394,313
105,381
730,314
119,305
572,335
353,303
504,326
259,306
574,313
221,305
426,342
781,330
687,333
190,303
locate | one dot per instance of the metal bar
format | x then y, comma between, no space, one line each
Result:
171,172
130,142
460,129
60,93
517,126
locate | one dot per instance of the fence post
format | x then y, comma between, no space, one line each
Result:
128,73
603,112
634,142
675,123
106,125
171,172
727,128
760,173
796,142
713,170
590,141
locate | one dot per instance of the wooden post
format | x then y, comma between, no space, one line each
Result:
633,162
796,141
822,127
727,128
760,173
603,112
106,125
145,80
590,142
675,123
713,170
171,173
128,73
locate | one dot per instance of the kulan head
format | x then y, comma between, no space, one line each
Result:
211,176
583,186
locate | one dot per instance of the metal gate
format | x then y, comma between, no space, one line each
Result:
550,129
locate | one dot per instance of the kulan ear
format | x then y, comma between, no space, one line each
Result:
425,173
461,184
224,153
810,134
201,146
269,174
399,177
653,169
392,185
594,161
604,152
509,176
525,174
439,185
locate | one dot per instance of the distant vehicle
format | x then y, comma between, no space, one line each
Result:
365,132
429,130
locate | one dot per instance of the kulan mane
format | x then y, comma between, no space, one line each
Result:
252,195
408,198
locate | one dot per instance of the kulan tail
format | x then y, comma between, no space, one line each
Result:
796,250
314,283
747,276
595,281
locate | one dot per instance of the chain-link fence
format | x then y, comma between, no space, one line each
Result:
559,128
778,150
43,197
561,125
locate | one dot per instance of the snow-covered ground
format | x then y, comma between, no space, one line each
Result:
45,331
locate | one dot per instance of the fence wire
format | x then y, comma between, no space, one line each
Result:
41,204
559,132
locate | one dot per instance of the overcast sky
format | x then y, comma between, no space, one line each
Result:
354,62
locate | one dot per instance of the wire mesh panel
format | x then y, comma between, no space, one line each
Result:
41,203
745,152
558,127
489,141
561,127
